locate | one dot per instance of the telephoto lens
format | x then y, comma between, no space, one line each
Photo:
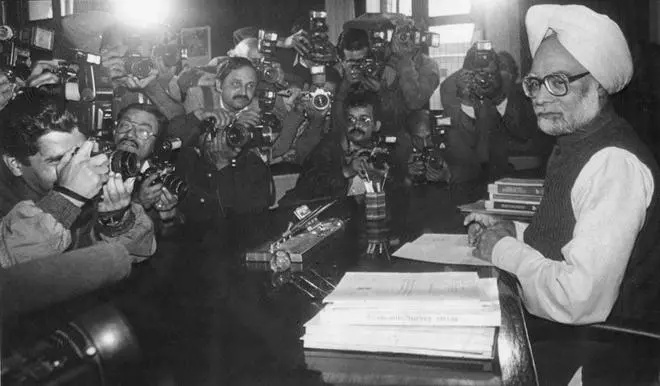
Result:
124,163
175,185
138,66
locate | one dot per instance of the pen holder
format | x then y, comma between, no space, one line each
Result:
377,235
375,206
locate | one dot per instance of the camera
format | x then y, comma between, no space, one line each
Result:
410,35
321,50
121,161
267,44
138,65
241,136
484,53
367,67
93,349
380,150
319,97
161,165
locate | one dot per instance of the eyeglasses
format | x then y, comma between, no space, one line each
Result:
362,121
556,83
142,131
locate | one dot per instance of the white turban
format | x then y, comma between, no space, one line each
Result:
593,39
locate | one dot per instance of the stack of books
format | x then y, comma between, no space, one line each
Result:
515,195
439,314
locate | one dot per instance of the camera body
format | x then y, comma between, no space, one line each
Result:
263,135
138,65
161,164
320,98
367,68
481,79
266,67
411,35
379,153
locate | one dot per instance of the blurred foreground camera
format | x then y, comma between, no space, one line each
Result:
241,136
121,161
161,164
91,350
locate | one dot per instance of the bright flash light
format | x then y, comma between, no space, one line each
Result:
142,13
109,339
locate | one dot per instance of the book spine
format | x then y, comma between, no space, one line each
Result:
502,205
519,189
515,198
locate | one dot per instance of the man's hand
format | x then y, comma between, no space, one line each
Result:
43,73
82,174
6,90
354,164
490,237
248,117
222,118
372,84
116,193
149,194
298,41
415,165
477,223
434,175
134,84
166,201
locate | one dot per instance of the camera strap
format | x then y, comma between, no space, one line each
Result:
71,194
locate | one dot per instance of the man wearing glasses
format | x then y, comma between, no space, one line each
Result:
140,127
586,256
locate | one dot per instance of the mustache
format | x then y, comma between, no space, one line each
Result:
128,140
357,131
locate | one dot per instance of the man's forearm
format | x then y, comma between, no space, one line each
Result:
417,84
166,104
139,239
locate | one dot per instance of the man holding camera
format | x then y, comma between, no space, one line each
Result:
342,162
51,185
225,181
405,83
140,129
488,121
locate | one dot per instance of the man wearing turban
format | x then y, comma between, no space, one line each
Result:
586,256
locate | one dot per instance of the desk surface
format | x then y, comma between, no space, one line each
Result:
233,324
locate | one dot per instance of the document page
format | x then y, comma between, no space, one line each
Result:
440,248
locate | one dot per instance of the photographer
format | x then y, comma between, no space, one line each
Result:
49,183
426,163
140,128
488,121
160,85
341,162
406,83
305,123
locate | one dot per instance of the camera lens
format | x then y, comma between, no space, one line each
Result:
321,102
176,185
124,163
269,74
139,67
237,135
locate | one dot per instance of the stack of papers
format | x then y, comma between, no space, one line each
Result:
440,248
445,314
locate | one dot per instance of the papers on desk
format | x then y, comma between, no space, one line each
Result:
446,314
440,248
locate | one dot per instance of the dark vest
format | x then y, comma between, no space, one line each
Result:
552,227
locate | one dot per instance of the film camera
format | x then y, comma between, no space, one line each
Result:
121,161
319,97
161,165
480,77
137,65
379,151
90,350
432,154
241,136
321,50
267,43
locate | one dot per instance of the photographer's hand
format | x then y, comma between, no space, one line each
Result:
435,174
116,193
248,117
43,73
298,41
372,84
222,118
149,194
6,91
134,84
82,174
166,204
415,165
